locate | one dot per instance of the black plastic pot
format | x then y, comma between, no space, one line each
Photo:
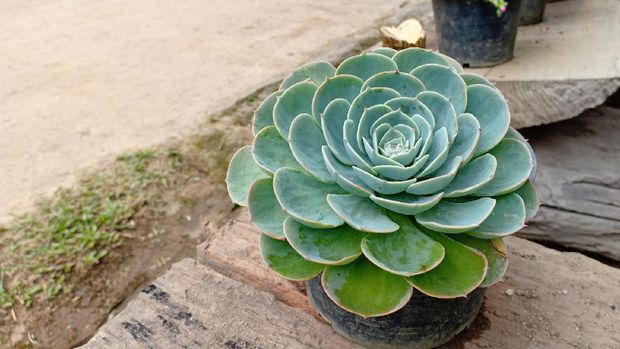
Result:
531,12
425,322
471,32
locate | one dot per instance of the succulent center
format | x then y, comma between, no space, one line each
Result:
395,147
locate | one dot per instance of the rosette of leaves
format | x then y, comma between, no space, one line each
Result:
394,171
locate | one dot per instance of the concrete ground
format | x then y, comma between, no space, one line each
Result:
82,81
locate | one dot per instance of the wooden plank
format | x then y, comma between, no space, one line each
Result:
233,251
578,180
192,306
548,298
535,103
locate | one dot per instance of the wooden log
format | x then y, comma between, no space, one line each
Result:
578,182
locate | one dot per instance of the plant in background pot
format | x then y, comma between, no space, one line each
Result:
477,33
531,11
387,184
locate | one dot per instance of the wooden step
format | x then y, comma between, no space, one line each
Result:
548,299
193,306
578,181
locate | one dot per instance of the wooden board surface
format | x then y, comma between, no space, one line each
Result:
578,180
192,306
548,299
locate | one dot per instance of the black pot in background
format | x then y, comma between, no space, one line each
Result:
471,32
425,322
531,11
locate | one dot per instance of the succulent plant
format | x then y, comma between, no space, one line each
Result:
395,171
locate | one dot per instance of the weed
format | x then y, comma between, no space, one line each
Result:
77,228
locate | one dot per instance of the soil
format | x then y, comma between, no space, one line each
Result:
82,81
164,232
157,241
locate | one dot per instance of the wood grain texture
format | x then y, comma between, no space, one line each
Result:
578,181
548,299
233,251
534,103
193,306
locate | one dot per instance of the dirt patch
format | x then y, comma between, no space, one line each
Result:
163,230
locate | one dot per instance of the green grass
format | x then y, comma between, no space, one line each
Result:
78,228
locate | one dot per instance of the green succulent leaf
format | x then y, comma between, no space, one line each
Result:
333,123
456,66
369,117
461,271
466,140
345,176
305,198
405,252
368,98
514,164
361,213
401,173
365,289
491,109
412,106
456,217
265,210
507,218
263,116
405,84
334,246
443,112
380,185
445,81
358,158
272,152
285,261
407,204
411,58
306,141
345,87
528,194
472,176
242,172
396,117
316,72
386,51
438,181
475,79
512,133
438,152
494,251
296,100
366,65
